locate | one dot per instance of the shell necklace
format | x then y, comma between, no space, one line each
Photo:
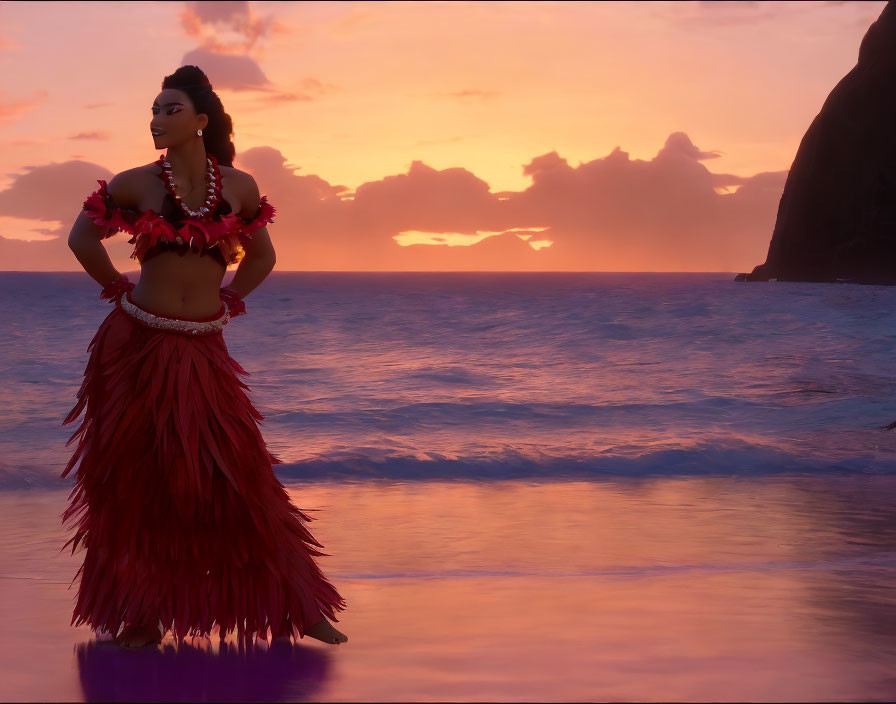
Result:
211,197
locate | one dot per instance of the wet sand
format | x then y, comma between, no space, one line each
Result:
688,589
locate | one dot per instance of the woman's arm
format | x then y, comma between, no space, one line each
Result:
259,257
85,240
255,266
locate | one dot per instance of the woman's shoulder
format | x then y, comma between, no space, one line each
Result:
127,187
246,189
236,176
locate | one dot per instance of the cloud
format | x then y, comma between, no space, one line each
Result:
468,93
230,71
52,191
226,34
612,213
31,142
90,135
353,19
664,214
310,89
287,97
678,144
738,12
51,194
225,27
12,109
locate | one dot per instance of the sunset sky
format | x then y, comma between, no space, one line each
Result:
584,136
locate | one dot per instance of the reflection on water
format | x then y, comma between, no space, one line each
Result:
585,527
776,588
204,670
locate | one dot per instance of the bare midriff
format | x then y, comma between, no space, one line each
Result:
180,286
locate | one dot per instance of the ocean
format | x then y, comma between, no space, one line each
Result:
529,487
506,375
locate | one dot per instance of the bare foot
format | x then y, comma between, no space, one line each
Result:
323,630
138,636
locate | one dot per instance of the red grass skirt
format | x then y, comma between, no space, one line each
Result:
181,516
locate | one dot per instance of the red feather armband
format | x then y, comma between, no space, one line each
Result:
233,301
116,288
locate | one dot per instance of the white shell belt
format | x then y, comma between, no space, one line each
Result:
190,327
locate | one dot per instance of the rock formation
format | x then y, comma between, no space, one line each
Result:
837,215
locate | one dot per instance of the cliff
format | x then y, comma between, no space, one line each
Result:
836,218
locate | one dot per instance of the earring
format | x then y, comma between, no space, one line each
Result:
198,133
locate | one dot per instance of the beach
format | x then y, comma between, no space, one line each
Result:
563,487
687,589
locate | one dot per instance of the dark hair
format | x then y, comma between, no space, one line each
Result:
216,136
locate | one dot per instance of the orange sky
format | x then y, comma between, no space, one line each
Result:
600,136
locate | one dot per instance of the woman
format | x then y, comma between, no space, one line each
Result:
183,521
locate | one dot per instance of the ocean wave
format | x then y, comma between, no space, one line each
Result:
727,458
702,459
409,415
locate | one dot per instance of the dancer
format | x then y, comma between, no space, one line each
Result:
182,519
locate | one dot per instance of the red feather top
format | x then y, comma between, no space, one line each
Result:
230,232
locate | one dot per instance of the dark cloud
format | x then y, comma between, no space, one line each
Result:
678,144
226,34
234,14
611,213
233,71
51,192
664,214
225,27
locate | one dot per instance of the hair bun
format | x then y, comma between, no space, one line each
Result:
188,75
216,136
